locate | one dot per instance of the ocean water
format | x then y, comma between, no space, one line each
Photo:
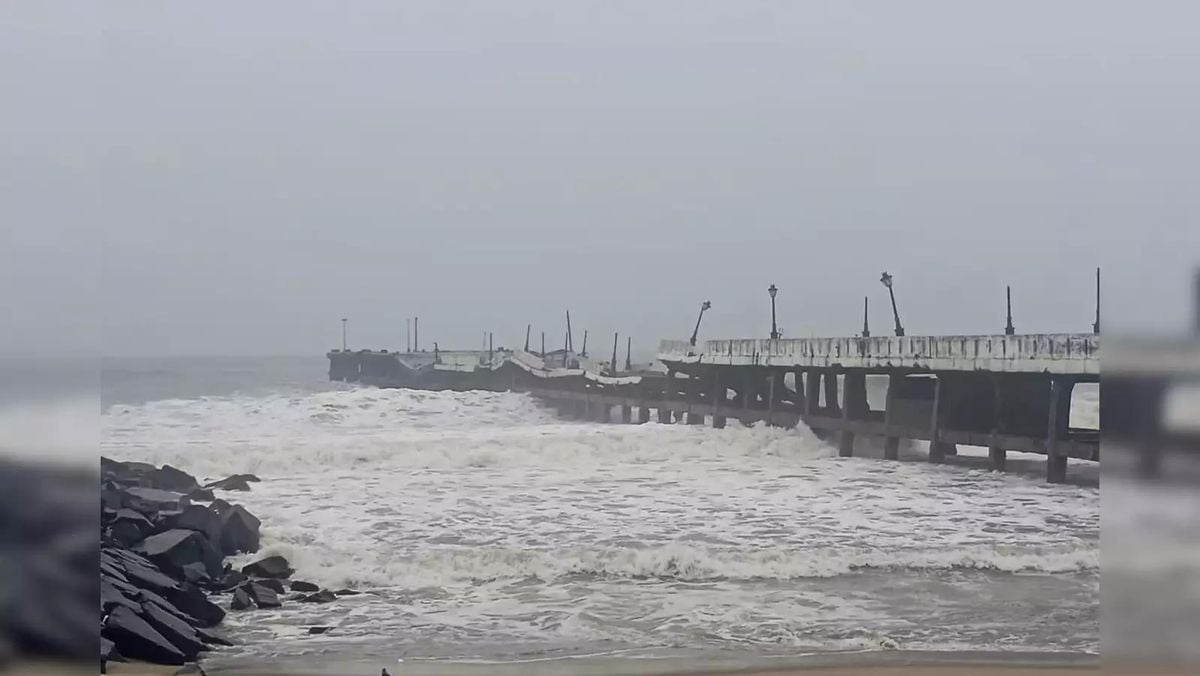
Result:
480,527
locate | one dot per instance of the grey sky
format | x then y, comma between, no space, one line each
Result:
231,178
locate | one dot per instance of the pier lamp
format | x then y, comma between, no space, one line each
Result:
696,331
344,320
886,280
774,328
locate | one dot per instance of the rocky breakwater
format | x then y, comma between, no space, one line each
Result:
163,574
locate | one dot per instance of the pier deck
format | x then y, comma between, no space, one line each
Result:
1000,392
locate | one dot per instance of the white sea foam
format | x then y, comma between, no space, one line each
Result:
480,517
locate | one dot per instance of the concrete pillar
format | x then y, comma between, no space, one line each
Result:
643,413
891,443
664,415
771,390
831,392
580,409
798,382
1060,410
718,422
997,453
695,418
855,399
937,452
626,413
812,392
601,411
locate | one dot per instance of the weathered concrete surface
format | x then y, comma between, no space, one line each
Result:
1057,353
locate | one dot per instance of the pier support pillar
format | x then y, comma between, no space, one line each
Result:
831,393
579,409
626,413
891,444
601,412
664,415
1060,412
772,392
937,450
718,422
812,392
997,453
694,418
854,404
643,414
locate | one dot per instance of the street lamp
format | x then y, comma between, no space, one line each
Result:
774,329
886,280
696,331
344,320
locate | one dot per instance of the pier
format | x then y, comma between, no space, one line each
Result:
1002,392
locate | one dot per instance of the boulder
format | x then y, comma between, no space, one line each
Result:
318,630
320,597
133,637
175,548
274,584
219,506
190,600
199,518
200,495
241,600
111,597
302,586
239,531
179,633
125,533
264,597
237,482
272,566
231,579
197,574
170,479
212,638
152,500
347,592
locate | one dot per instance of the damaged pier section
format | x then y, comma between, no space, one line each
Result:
1002,392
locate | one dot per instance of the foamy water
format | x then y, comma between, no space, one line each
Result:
485,528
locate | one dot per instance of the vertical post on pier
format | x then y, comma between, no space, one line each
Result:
613,364
568,341
996,451
491,352
408,335
866,326
937,451
416,334
718,399
1060,410
854,395
891,442
566,347
770,396
1009,329
831,392
344,320
812,392
583,352
527,328
664,408
543,344
1096,325
628,351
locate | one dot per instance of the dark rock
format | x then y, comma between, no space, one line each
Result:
237,482
241,599
189,599
196,574
302,586
179,633
111,498
135,638
106,650
110,569
199,518
171,479
201,495
231,579
152,500
272,566
148,576
347,592
320,597
295,596
239,530
264,597
212,638
111,597
178,547
318,630
125,533
274,584
219,506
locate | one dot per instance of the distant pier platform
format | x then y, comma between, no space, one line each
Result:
1002,392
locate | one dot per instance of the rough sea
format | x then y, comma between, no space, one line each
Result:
482,528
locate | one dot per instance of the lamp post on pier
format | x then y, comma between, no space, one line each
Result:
344,320
774,328
886,280
696,331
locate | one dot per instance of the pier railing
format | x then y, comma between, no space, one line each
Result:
1063,353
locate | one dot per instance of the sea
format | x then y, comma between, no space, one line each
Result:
479,527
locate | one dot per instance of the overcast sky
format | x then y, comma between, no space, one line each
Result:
232,178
